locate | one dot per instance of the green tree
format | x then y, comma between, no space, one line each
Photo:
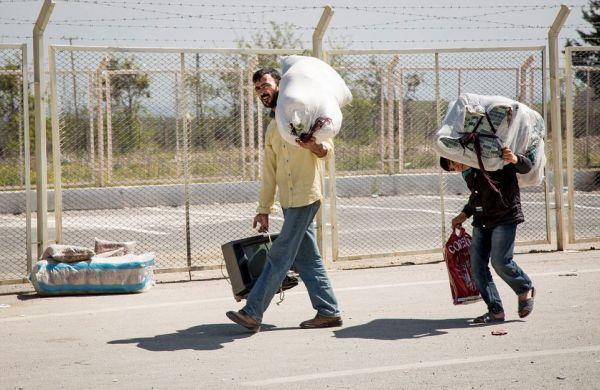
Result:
222,116
10,111
588,58
127,91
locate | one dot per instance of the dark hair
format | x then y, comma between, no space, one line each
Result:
261,72
445,164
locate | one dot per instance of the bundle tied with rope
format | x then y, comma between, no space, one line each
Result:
477,127
311,95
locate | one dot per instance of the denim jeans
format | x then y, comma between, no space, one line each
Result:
496,244
296,245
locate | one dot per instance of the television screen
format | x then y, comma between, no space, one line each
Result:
255,258
245,260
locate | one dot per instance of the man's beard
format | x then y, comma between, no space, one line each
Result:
271,103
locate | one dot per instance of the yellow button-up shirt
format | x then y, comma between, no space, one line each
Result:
295,171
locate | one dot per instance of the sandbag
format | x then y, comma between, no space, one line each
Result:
311,95
121,274
102,246
67,253
498,121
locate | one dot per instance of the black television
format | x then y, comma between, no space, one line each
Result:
245,260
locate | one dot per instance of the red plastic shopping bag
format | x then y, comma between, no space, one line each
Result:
458,261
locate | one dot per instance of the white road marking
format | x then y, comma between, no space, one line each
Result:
391,208
233,216
92,226
577,206
229,299
420,365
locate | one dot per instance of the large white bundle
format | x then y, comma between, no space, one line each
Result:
516,126
311,94
129,273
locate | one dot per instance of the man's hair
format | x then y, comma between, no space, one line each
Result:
445,164
264,71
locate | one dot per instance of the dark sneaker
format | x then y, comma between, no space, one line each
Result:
321,322
243,319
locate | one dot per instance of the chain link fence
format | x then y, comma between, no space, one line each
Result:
160,146
164,147
392,197
15,251
582,105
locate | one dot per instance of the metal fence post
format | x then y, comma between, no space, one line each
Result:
109,132
40,125
438,116
400,121
56,152
545,115
569,140
100,122
390,72
90,135
317,42
186,163
556,122
242,125
27,157
250,103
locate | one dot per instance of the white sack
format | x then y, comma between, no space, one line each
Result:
310,89
517,126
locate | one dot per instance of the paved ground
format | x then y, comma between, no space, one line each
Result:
400,331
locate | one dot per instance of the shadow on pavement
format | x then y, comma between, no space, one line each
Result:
202,338
404,328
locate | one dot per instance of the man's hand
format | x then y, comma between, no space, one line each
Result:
458,220
509,156
263,221
311,144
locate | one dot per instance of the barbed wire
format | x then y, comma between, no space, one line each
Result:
15,21
276,6
79,38
163,12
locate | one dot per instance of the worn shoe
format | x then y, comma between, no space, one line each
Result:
526,306
489,318
321,321
242,318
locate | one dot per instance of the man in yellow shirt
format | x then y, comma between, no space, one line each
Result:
296,172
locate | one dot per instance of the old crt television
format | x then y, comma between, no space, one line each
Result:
245,260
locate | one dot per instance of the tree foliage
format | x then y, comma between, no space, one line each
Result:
10,111
588,58
127,91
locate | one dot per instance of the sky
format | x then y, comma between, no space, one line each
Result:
402,24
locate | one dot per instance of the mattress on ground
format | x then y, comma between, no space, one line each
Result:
122,274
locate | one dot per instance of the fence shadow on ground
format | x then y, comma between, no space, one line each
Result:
204,337
404,328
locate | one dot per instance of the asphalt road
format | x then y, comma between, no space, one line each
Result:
365,225
400,331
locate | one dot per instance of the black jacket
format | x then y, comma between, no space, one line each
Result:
490,208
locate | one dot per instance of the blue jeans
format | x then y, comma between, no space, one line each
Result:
296,245
496,244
